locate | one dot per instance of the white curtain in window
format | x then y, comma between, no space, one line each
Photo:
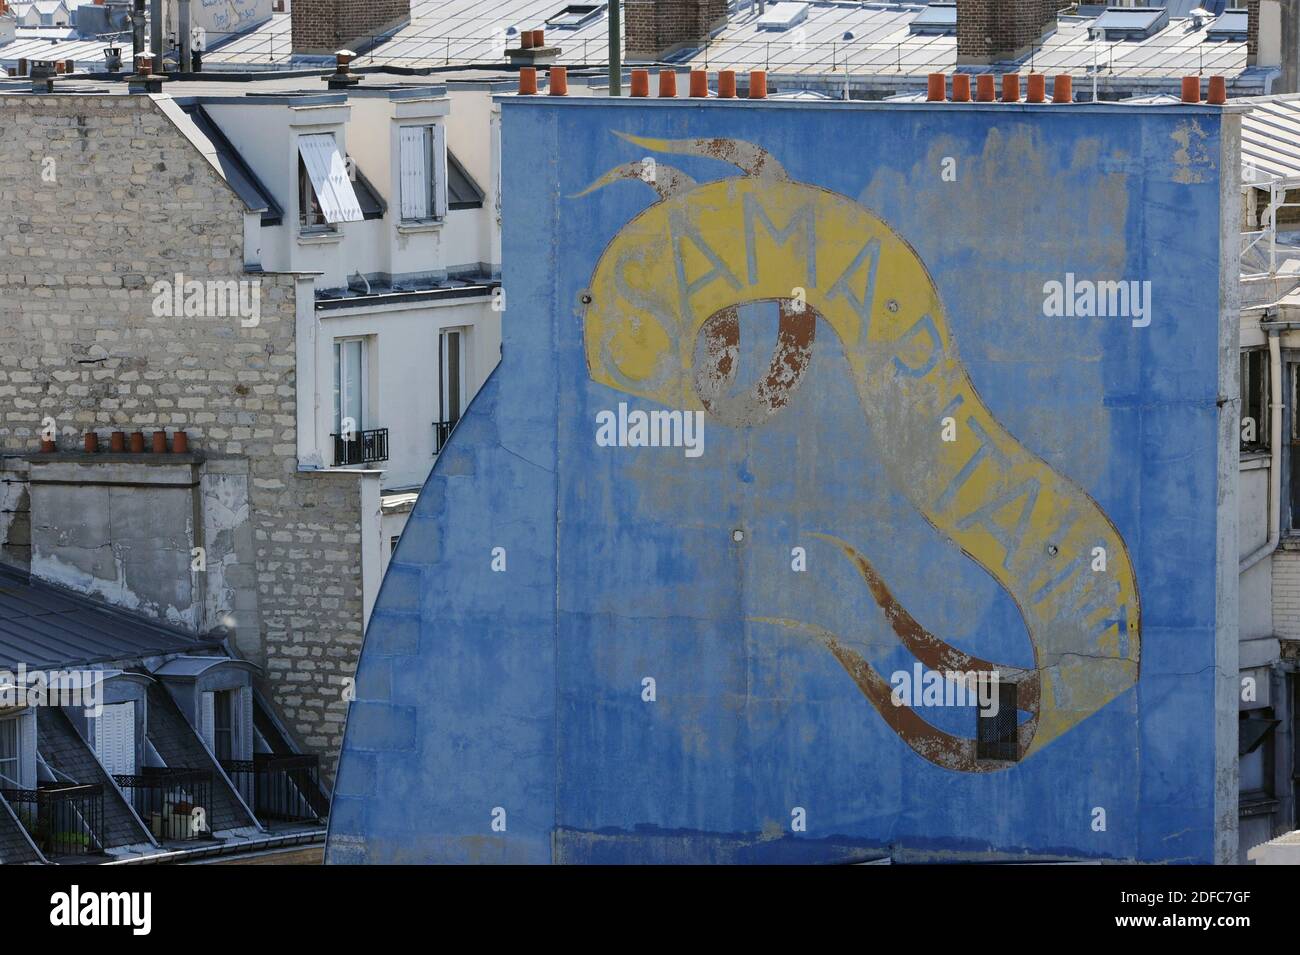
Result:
329,177
415,179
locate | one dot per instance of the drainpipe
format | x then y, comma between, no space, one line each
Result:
137,30
156,33
185,64
615,50
1274,451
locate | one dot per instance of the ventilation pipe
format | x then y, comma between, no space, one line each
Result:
156,31
137,30
186,63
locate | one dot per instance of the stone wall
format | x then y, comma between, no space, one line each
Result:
100,198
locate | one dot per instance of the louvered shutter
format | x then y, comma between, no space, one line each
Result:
329,177
115,738
415,203
207,721
27,749
439,184
245,748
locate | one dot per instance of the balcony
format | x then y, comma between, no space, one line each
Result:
442,432
364,447
280,788
64,820
173,803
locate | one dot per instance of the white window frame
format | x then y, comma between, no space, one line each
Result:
422,152
339,379
462,347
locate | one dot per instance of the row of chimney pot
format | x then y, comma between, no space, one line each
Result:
558,82
532,39
60,67
936,91
119,442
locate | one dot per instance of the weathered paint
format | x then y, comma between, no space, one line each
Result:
810,281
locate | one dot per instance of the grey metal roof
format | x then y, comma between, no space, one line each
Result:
44,626
1270,137
451,32
188,667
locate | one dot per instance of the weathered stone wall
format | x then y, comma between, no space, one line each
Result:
101,197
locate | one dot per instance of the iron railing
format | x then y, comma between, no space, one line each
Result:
364,447
64,820
442,432
279,788
174,803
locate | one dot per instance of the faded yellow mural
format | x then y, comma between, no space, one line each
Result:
666,291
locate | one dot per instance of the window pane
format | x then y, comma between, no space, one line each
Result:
451,374
352,383
9,753
222,727
338,358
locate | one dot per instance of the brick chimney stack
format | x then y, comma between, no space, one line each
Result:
992,31
324,26
654,29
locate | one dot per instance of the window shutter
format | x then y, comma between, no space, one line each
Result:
27,749
412,172
207,721
439,171
329,177
245,742
115,738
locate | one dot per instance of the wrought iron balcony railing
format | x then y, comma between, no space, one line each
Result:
64,820
362,447
442,432
173,802
280,788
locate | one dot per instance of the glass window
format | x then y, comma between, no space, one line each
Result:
9,757
223,724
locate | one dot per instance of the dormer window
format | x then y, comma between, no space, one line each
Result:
423,173
325,193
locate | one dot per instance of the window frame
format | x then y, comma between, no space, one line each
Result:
1256,389
462,351
12,781
363,385
225,700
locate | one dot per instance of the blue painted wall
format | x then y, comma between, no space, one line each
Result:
522,690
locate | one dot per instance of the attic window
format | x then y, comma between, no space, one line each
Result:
575,15
1129,23
782,16
937,19
1228,26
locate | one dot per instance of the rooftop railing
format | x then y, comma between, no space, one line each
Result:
64,820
